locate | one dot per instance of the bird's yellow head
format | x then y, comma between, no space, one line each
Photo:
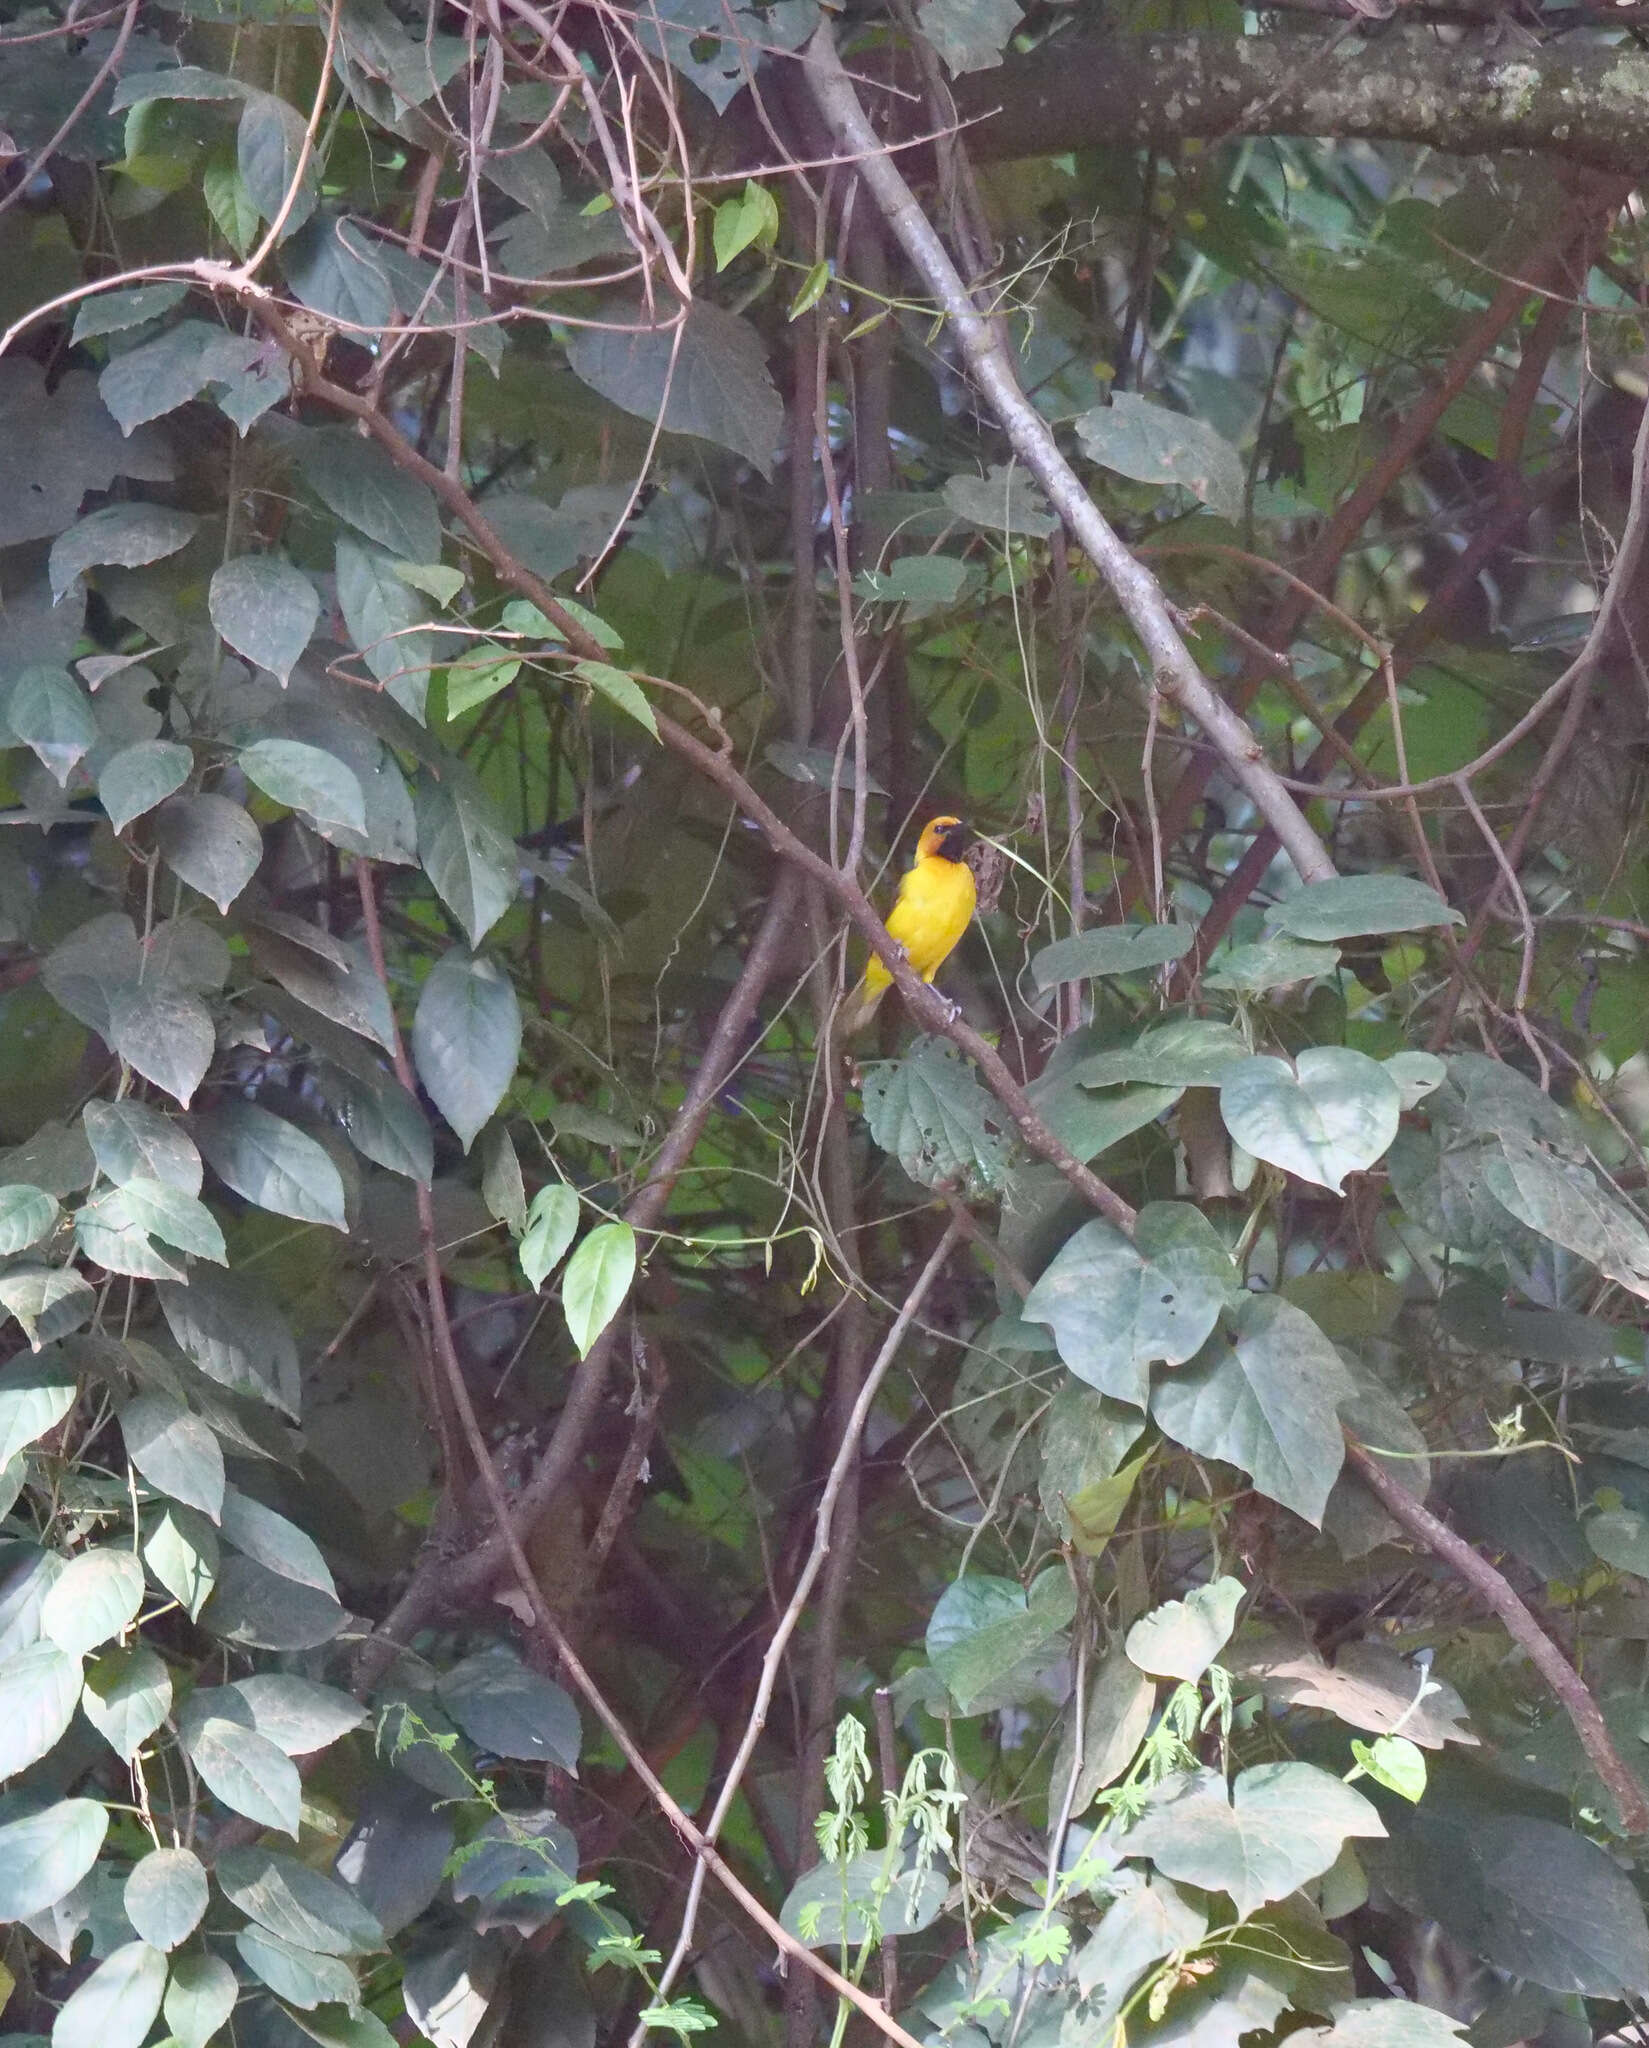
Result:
945,837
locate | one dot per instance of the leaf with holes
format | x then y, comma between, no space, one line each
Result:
932,1113
1117,1306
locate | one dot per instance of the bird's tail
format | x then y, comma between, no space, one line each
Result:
860,1005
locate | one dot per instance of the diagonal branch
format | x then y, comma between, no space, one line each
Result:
1174,674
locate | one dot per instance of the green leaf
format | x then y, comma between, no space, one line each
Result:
39,1691
354,478
1114,949
297,1715
1085,1486
1563,1200
930,1110
1280,1825
1357,906
116,312
1267,1404
302,1977
924,584
619,689
442,582
306,778
166,1895
466,852
26,1216
255,1608
552,1223
983,1630
1385,2023
272,1541
229,203
837,1903
44,1855
1273,963
1620,1536
139,777
1117,1306
117,2004
1534,1899
324,973
386,622
502,1187
185,82
247,1772
95,1596
272,1164
510,1711
466,1039
708,379
158,376
175,1218
175,1451
811,290
48,711
265,609
131,1141
1394,1761
180,1550
165,1035
270,155
521,617
1005,501
1332,1113
596,1281
210,843
1181,1638
970,35
297,1904
1116,1713
1137,438
127,1696
236,1335
388,1127
49,1302
1188,1052
199,1998
479,674
751,218
129,535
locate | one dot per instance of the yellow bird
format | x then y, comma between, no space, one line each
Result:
936,903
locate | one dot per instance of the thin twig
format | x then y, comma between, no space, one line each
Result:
1173,672
847,1451
1497,1592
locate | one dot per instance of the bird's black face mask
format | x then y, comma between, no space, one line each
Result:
955,841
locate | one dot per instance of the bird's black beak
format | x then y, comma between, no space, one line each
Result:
956,841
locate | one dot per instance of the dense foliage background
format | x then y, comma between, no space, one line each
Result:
546,1498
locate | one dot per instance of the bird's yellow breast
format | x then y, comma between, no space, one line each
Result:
936,902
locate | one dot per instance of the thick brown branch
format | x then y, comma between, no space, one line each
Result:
1589,105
